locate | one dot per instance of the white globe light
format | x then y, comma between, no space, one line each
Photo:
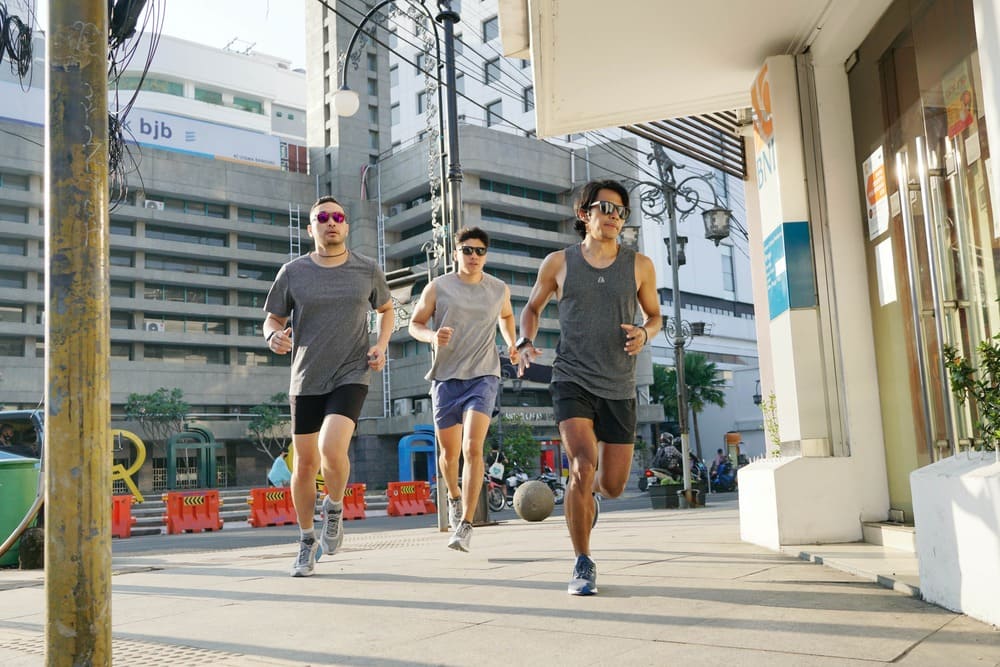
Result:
346,102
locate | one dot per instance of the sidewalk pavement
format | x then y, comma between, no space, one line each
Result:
676,586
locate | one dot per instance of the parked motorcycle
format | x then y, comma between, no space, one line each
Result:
724,477
554,483
495,499
515,478
673,474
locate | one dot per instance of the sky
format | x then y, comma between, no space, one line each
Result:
274,27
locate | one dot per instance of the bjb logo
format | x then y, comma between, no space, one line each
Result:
156,129
760,98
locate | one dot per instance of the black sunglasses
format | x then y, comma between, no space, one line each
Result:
607,208
469,249
336,216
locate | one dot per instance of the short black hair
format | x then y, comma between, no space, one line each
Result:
325,199
466,233
587,195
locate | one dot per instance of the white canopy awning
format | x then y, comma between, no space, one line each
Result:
602,64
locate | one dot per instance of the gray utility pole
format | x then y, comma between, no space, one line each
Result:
77,396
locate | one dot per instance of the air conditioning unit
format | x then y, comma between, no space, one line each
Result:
401,407
152,203
421,406
159,327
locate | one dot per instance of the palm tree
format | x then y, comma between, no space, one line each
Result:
703,387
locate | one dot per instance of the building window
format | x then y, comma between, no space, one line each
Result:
253,106
491,29
491,71
262,244
372,62
394,76
179,236
728,274
181,354
122,228
13,247
421,61
121,288
460,83
373,86
493,113
12,279
11,313
529,98
184,265
373,139
257,272
394,114
421,101
11,346
459,45
121,320
209,96
14,181
13,214
393,39
151,85
121,351
121,258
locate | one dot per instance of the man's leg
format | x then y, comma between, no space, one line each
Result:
582,453
613,469
306,465
334,441
477,425
451,447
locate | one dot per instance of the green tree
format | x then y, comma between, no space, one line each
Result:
981,387
515,440
160,413
703,387
269,427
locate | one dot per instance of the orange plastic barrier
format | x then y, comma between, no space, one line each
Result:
121,516
191,511
424,495
408,498
354,501
271,506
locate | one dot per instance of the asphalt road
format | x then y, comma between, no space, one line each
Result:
240,538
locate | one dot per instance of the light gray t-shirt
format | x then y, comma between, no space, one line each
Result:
594,305
329,308
472,310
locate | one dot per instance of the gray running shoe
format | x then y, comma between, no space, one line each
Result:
584,581
461,537
454,513
305,562
597,509
332,535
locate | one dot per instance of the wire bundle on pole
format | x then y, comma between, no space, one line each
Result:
15,44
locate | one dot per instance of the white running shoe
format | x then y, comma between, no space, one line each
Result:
305,562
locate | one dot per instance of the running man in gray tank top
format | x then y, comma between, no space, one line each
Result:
465,308
600,285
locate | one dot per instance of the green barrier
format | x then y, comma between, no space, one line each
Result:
18,485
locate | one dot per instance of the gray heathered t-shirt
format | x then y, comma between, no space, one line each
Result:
329,308
594,305
472,310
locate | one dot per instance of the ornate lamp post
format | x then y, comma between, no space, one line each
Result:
346,103
672,198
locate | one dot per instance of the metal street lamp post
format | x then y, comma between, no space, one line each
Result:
670,197
346,103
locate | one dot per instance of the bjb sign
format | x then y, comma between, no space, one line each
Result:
196,137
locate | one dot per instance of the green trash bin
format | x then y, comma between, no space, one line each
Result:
18,485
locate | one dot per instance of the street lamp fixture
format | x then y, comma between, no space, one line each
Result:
682,242
667,199
345,101
757,398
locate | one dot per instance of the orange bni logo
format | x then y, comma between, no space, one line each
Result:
760,98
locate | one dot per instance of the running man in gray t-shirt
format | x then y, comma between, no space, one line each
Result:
327,295
598,283
466,308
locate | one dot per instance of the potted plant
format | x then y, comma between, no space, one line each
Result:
955,499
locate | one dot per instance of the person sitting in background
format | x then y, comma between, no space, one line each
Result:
720,458
279,474
6,435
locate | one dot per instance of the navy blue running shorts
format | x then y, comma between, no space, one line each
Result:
452,398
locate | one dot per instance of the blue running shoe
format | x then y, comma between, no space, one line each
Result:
584,581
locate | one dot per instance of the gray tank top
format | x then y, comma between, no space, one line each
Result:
472,310
594,305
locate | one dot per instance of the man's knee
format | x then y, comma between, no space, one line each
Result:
613,488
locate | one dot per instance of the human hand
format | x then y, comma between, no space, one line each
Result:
635,339
514,355
281,342
376,358
443,335
526,355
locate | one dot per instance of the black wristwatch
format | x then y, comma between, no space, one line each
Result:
267,339
522,341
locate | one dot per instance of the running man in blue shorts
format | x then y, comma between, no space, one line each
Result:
466,308
327,294
599,285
